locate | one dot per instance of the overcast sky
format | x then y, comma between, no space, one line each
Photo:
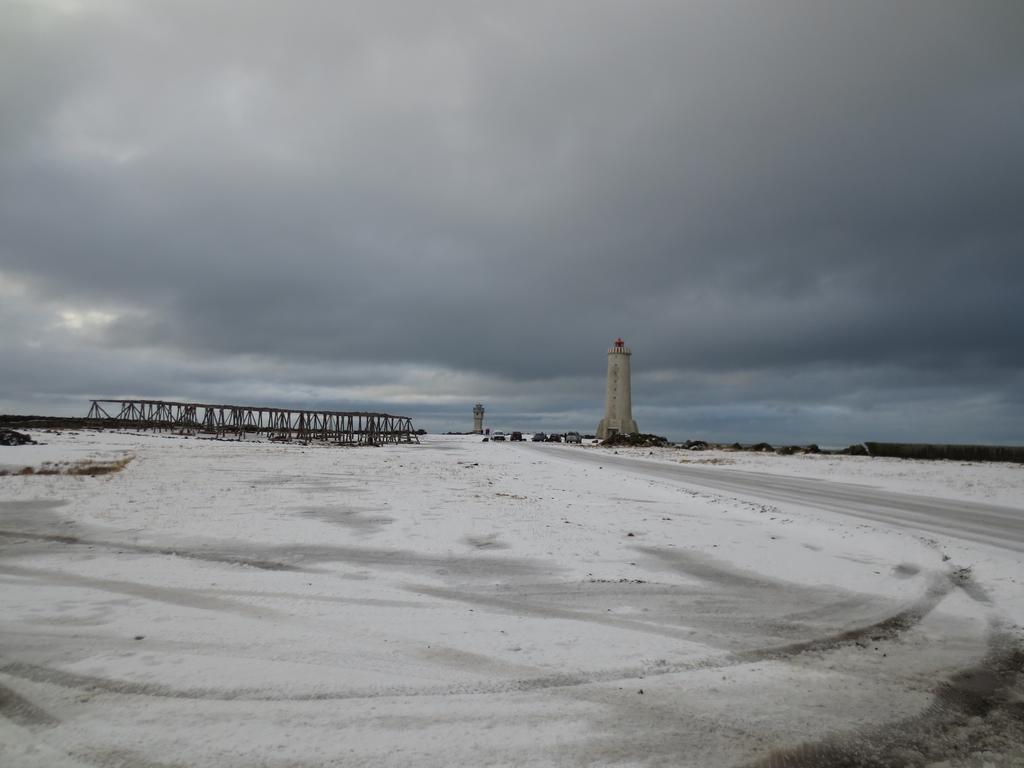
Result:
805,218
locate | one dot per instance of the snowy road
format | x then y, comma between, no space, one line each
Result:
990,524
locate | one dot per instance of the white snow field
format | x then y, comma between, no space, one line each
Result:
457,603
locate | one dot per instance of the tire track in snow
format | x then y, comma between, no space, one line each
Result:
21,711
889,628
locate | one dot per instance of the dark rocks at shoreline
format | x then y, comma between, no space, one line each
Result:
8,437
789,450
857,449
782,450
635,440
695,445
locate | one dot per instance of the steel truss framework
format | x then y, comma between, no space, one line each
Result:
347,428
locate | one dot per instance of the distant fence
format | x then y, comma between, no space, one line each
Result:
954,452
348,428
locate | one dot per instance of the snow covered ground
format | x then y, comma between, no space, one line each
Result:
466,603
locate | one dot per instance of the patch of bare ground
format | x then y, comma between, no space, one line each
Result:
85,467
976,720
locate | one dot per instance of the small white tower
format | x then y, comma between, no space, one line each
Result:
618,403
478,419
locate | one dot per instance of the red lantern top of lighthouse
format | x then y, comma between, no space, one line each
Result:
619,343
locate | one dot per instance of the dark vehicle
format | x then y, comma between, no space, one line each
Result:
554,438
538,437
517,437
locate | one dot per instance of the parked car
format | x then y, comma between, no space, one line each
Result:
554,438
538,437
498,437
573,437
517,437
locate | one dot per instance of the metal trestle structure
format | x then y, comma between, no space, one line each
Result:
344,427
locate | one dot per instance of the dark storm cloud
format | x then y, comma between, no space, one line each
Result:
771,193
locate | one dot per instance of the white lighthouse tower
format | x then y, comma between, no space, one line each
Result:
618,403
478,418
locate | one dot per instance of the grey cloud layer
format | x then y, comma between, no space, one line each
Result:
776,191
